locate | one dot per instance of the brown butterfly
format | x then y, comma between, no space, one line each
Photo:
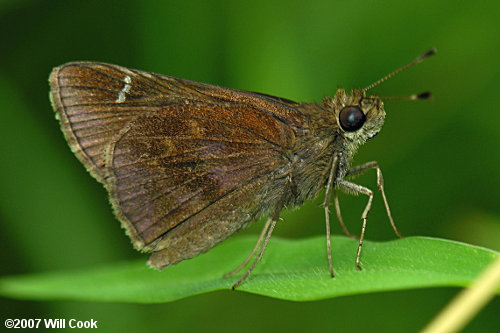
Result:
188,164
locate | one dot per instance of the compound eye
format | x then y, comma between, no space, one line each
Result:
351,118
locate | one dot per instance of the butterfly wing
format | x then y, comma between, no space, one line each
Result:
186,164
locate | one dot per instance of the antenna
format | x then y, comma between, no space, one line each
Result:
403,68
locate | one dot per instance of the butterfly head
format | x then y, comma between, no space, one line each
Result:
359,117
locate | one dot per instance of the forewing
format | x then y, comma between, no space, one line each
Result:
96,101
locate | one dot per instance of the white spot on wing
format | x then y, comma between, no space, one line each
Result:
121,97
126,88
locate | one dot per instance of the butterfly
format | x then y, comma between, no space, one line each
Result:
188,164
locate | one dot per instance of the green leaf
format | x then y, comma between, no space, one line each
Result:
291,269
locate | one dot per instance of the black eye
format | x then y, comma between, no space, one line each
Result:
351,118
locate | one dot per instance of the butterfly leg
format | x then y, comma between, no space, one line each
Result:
355,188
339,215
254,250
380,184
272,223
326,203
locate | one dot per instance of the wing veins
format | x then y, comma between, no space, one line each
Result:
174,209
209,205
146,82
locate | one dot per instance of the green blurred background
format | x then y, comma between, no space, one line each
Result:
440,158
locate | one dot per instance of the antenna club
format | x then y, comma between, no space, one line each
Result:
424,95
429,53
